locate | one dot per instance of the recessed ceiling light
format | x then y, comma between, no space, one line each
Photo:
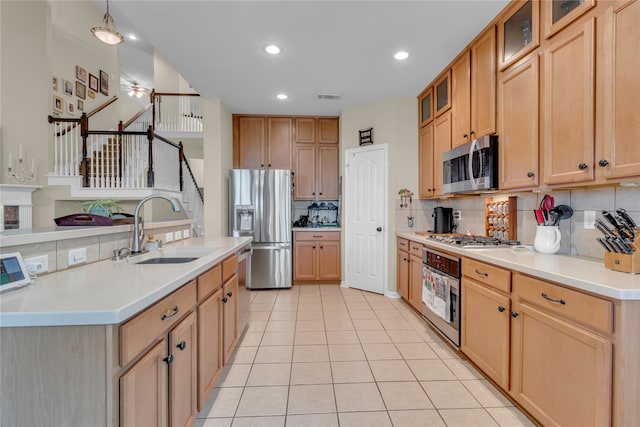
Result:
132,37
272,49
401,55
282,96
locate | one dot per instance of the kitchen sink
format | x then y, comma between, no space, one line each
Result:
167,260
176,255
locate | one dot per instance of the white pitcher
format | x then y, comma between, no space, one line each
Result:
547,239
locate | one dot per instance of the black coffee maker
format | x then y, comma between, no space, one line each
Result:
442,220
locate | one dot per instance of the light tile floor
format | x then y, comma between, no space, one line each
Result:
330,356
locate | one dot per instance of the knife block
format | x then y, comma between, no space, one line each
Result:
627,263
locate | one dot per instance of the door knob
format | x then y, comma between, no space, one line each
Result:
379,229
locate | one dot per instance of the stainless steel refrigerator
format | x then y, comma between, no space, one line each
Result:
260,206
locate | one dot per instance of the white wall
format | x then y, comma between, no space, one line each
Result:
394,122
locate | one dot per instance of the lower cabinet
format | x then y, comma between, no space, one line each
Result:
415,282
316,256
183,370
210,344
402,269
230,315
409,272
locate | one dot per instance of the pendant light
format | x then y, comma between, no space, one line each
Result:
107,33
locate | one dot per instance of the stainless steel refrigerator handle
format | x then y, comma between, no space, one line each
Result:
271,247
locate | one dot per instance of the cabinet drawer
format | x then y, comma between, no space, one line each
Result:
586,309
209,282
229,267
403,244
317,235
415,249
137,333
488,274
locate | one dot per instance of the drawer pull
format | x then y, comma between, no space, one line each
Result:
225,299
168,359
171,313
514,314
182,345
229,294
481,273
561,301
501,308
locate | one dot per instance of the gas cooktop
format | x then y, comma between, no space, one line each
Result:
466,241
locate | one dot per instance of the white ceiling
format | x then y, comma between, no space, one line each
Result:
329,47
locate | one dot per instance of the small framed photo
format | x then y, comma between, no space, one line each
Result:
58,104
91,94
104,83
68,88
80,105
70,108
81,74
93,82
54,82
81,90
366,136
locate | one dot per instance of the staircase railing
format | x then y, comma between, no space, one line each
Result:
176,112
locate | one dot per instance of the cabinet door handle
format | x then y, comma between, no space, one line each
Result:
501,308
229,294
545,296
168,359
320,194
269,165
321,247
314,247
603,163
472,132
182,345
582,166
514,314
171,313
465,136
225,299
481,273
530,174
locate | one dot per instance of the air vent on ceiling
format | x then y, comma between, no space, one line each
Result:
328,96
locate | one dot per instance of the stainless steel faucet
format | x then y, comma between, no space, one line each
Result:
138,223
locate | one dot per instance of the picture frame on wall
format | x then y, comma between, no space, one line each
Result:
70,108
54,82
81,90
81,74
80,105
58,104
104,83
93,82
91,93
68,88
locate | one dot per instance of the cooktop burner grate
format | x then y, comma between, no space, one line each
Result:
467,241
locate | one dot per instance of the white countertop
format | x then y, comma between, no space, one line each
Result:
327,228
107,292
583,274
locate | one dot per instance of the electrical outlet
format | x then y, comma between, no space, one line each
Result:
589,220
457,215
186,233
168,237
77,256
37,264
178,235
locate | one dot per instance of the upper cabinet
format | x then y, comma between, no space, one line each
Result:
618,156
305,130
425,106
473,86
442,92
262,142
327,130
518,32
557,14
425,162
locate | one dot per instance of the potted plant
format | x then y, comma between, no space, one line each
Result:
103,207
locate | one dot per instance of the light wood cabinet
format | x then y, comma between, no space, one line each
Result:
441,143
143,390
518,100
442,93
402,269
263,142
316,164
210,344
316,257
305,130
518,31
425,106
426,186
461,100
230,316
183,372
558,14
485,330
568,122
415,282
618,156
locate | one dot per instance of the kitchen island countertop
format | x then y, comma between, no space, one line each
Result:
107,292
582,274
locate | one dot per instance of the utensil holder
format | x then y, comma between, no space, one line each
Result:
626,263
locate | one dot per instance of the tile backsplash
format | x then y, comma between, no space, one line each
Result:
576,240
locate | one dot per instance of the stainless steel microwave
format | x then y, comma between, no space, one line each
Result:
472,167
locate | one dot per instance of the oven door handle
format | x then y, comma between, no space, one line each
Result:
472,177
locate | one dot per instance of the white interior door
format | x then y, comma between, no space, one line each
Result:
365,218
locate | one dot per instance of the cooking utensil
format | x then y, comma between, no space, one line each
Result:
539,216
566,211
547,203
627,218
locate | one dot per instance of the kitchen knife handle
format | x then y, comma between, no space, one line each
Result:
599,239
627,218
